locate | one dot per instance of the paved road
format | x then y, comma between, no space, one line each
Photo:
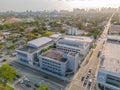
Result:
93,63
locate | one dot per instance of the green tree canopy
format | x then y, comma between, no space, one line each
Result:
48,33
43,87
7,73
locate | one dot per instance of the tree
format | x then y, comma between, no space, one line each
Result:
43,87
31,36
47,33
7,73
12,46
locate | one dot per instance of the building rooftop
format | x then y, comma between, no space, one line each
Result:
115,29
114,37
55,36
39,42
30,48
78,38
54,54
112,57
72,54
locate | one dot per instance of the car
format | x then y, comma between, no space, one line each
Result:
89,85
89,71
85,83
4,60
28,85
1,56
82,79
37,84
87,77
20,81
26,79
18,76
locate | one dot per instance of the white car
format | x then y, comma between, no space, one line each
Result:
26,79
20,81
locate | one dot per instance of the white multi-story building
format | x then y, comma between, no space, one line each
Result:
109,71
57,37
72,31
75,44
59,56
29,53
58,62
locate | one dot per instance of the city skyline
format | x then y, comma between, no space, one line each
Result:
36,5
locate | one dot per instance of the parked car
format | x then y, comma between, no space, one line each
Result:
20,81
89,85
26,79
4,60
38,84
28,85
82,79
85,83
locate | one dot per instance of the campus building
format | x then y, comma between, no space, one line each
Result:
59,62
75,44
30,52
58,55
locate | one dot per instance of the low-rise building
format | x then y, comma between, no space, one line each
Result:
115,38
57,37
115,29
58,62
29,53
109,71
75,44
58,57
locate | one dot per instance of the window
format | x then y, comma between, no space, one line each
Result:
113,80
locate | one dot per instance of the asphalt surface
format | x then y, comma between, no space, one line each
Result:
93,63
37,76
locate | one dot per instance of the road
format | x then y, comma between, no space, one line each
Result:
93,64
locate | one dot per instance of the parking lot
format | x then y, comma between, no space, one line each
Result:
36,79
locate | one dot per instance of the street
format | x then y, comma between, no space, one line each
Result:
93,64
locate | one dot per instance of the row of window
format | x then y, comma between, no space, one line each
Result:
22,54
71,44
50,61
51,64
23,60
57,73
51,68
68,49
112,80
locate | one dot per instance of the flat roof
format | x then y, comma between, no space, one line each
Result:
112,57
78,38
30,49
54,54
114,37
115,29
55,36
38,42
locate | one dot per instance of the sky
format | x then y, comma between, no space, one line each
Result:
35,5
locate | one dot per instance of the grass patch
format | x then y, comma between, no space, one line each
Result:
5,87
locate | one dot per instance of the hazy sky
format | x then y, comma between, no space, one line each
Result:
22,5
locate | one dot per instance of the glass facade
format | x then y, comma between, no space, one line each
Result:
112,80
51,66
